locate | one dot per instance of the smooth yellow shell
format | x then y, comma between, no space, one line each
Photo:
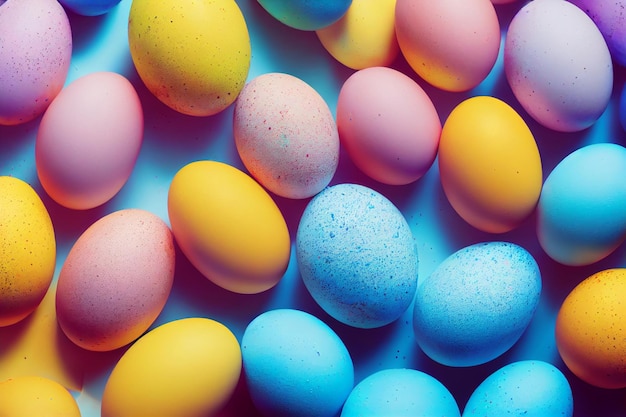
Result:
36,396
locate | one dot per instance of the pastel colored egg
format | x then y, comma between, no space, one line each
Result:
558,65
295,365
357,256
220,216
90,7
305,14
36,396
451,44
27,250
365,36
476,304
489,164
183,368
193,56
35,56
388,125
115,280
89,140
286,135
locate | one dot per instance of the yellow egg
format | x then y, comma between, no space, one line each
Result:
194,56
228,227
184,368
27,250
489,164
36,396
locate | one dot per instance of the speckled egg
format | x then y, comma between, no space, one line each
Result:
357,256
115,280
286,135
477,303
36,396
306,14
35,54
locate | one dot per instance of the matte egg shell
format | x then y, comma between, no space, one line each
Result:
286,135
90,7
525,388
228,227
365,36
558,65
388,125
590,331
357,256
184,368
115,280
477,303
580,215
489,164
35,54
295,365
89,140
451,44
27,250
36,396
193,56
306,14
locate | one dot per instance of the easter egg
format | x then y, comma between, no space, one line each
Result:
489,164
183,368
357,256
476,304
36,396
286,135
295,365
388,125
305,14
558,65
228,227
86,148
115,280
35,56
27,250
451,44
193,56
90,7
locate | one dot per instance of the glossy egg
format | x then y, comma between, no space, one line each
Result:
90,7
115,280
489,164
221,216
305,14
36,396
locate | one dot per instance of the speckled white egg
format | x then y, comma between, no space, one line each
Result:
357,256
477,303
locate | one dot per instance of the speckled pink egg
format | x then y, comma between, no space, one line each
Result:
286,135
115,280
35,54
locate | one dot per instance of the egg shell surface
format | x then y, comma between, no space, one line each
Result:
388,125
90,7
295,365
115,280
306,14
89,139
286,135
220,216
36,396
184,368
35,54
477,303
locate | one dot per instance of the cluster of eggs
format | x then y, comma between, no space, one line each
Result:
354,248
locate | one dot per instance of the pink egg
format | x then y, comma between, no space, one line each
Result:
115,280
388,125
35,54
89,140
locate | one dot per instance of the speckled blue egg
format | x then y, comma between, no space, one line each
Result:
306,14
400,392
477,303
357,256
295,365
526,388
580,214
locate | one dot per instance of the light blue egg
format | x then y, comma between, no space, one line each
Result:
295,365
306,14
522,389
357,256
581,215
477,303
89,7
400,393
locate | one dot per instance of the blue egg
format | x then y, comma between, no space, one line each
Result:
581,215
306,14
357,256
477,303
89,7
295,365
400,393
